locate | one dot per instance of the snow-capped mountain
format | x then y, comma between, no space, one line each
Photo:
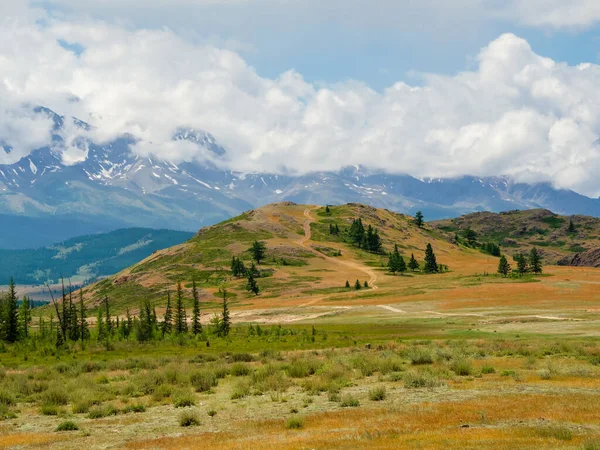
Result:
110,187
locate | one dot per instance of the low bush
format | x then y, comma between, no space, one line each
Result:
67,426
189,418
294,423
349,401
203,381
378,394
183,399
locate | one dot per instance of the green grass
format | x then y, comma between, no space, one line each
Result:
67,426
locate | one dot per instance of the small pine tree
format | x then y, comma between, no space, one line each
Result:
471,237
413,264
401,265
571,226
196,324
225,319
180,315
366,284
327,210
347,284
252,286
535,261
394,260
100,326
109,323
167,323
258,251
11,314
503,266
419,219
84,332
521,264
431,265
357,285
24,317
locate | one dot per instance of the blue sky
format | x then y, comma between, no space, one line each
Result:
431,88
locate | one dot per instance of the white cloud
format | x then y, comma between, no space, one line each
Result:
554,13
515,113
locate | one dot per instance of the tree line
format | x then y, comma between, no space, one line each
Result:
531,263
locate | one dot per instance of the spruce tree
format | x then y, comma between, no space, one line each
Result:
196,324
102,335
357,285
225,320
413,264
394,260
431,265
11,314
535,261
252,286
258,251
503,266
571,228
401,265
327,210
84,332
167,323
180,316
74,321
419,219
347,284
521,264
366,284
109,323
24,317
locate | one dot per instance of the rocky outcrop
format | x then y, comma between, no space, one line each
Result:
590,258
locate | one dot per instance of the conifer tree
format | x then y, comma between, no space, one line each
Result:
11,314
167,324
146,323
431,265
84,332
102,335
347,284
180,315
225,320
419,219
327,210
521,264
252,286
535,261
366,284
571,228
401,265
258,251
196,324
128,324
413,264
503,266
24,317
74,321
357,285
109,323
394,260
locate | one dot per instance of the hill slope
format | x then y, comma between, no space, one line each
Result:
516,231
303,263
85,257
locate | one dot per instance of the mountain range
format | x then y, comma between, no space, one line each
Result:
114,188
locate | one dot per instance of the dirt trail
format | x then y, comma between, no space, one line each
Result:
307,235
392,309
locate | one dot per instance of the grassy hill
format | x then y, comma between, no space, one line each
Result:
304,263
85,257
516,231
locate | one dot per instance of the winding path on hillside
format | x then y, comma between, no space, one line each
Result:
303,242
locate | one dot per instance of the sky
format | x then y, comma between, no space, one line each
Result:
430,88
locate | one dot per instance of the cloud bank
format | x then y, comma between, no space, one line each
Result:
515,113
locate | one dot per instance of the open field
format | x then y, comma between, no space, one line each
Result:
464,359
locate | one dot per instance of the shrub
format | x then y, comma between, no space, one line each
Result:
378,394
240,390
294,423
415,380
487,369
55,396
242,357
67,426
420,356
333,396
162,392
49,410
203,381
82,406
349,401
545,374
212,413
189,418
461,367
6,413
183,399
6,398
239,370
301,368
135,408
595,360
99,412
